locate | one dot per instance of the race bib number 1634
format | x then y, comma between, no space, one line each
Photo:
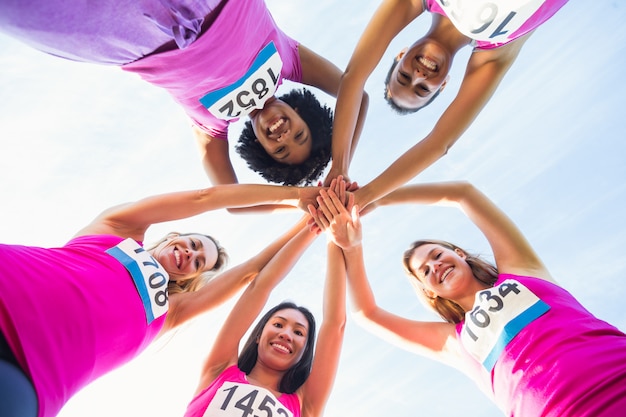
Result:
499,314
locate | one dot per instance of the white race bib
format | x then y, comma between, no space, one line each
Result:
249,92
149,276
499,314
490,21
234,399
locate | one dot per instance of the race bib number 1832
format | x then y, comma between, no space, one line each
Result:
249,92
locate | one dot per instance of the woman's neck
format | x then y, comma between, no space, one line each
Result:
265,377
443,31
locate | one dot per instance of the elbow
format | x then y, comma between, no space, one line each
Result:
438,146
443,149
365,101
236,210
362,317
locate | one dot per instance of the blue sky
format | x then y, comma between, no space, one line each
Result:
549,149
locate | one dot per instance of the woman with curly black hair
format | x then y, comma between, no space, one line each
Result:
319,120
194,50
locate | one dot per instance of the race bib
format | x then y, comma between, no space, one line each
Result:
499,314
234,399
490,21
249,92
148,275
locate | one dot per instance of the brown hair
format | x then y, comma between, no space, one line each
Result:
450,311
195,283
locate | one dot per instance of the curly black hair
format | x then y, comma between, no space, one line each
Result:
398,109
318,117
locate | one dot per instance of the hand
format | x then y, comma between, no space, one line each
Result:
334,173
341,222
369,208
307,196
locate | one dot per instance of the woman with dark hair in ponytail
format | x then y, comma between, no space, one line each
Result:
276,373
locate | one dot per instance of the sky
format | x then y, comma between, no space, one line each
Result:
548,149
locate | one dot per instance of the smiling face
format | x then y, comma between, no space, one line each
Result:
185,257
283,339
421,71
281,131
442,271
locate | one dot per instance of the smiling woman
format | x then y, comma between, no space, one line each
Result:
194,51
275,372
510,327
117,297
314,135
496,30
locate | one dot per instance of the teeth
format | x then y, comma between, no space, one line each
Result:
281,347
177,256
277,125
445,274
431,65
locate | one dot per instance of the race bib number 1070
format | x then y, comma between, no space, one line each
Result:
499,314
249,92
243,400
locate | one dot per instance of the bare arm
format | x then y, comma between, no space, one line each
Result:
484,72
133,219
390,18
225,349
186,306
512,251
433,339
321,73
317,388
219,168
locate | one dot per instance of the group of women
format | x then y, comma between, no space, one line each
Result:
101,299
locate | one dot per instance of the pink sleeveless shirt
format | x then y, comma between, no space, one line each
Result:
218,59
541,353
495,23
231,391
70,315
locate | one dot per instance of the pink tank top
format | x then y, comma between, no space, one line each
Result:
218,59
495,23
79,303
231,389
541,353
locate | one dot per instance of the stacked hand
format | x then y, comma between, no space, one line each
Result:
338,215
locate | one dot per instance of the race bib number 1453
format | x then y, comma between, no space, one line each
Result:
243,400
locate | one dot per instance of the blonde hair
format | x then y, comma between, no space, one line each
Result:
450,311
197,282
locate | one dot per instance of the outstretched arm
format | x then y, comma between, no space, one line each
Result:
219,168
186,306
433,339
321,73
317,388
484,72
226,345
390,18
512,251
133,219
